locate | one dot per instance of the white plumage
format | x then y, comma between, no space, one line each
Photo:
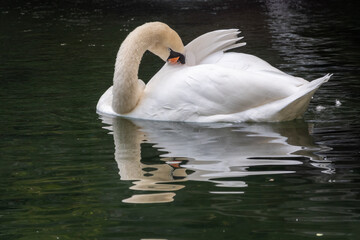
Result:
214,86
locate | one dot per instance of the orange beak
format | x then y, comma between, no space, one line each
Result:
173,60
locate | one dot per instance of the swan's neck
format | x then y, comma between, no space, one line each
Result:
127,89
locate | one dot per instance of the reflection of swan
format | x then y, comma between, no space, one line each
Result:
210,86
211,152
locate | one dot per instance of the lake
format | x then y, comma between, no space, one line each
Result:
69,173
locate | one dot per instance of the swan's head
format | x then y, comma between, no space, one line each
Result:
165,43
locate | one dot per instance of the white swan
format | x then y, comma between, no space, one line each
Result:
201,83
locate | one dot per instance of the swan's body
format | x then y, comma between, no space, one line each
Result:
212,86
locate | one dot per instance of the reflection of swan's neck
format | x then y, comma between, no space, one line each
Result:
127,140
126,88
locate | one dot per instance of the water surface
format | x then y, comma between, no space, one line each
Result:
68,173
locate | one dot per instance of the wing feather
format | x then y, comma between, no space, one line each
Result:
212,42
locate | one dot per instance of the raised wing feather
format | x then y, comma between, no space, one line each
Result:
212,42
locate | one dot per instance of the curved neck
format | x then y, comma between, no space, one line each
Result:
127,89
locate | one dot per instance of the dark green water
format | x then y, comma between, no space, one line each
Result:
67,173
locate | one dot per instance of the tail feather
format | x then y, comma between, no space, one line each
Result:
315,84
295,105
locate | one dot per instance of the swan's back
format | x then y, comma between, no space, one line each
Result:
213,93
